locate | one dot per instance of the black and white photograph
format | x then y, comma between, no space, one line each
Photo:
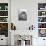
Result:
22,16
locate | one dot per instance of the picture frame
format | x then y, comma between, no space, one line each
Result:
22,15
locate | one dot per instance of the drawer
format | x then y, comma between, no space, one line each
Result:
3,41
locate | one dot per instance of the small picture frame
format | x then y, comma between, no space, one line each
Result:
22,15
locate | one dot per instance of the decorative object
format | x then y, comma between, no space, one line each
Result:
27,38
31,27
42,33
3,19
4,26
23,40
43,13
22,15
6,7
41,6
0,7
13,27
42,25
3,6
4,29
3,13
42,19
22,43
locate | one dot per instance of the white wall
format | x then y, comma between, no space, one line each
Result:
31,7
32,13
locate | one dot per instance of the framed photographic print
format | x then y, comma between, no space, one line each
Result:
22,15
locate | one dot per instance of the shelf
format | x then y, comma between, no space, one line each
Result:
41,22
41,19
42,16
4,19
3,10
3,16
41,10
41,28
3,22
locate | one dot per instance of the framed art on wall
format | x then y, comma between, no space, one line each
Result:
22,15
